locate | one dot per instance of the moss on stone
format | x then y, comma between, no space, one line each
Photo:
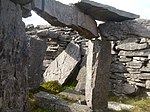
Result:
52,87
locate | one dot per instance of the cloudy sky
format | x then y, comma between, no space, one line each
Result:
140,7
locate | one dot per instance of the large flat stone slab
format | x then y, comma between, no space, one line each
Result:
104,12
56,104
97,77
127,29
63,67
59,14
37,54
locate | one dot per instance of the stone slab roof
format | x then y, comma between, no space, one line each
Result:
103,12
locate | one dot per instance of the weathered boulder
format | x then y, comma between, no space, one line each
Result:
63,66
59,14
98,70
13,59
56,104
126,29
104,12
37,53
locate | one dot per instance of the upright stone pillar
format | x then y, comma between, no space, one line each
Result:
13,59
98,70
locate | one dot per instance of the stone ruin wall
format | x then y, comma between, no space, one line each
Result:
56,39
14,55
13,59
130,73
130,67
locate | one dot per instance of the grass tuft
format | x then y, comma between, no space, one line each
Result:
52,87
141,104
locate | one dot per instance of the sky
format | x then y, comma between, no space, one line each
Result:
139,7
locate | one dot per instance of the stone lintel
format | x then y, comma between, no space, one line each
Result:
103,12
59,14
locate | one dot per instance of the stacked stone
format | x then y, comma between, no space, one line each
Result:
57,39
130,67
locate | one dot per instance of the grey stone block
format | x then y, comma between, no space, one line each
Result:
103,12
56,104
98,70
126,29
65,15
62,67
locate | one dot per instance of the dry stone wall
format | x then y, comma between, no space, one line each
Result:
57,41
131,52
14,51
130,57
131,66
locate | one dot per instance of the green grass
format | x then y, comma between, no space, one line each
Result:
141,104
52,87
69,86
